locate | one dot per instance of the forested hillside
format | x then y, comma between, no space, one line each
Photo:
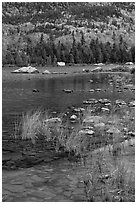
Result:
43,33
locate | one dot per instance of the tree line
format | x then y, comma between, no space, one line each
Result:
48,53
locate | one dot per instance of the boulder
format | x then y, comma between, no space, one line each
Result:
28,70
87,102
105,109
61,64
67,90
100,64
120,102
73,117
85,70
46,72
97,69
103,101
98,90
93,101
91,90
129,63
90,80
35,90
86,132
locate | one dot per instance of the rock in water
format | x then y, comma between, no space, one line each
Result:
86,132
61,64
35,90
67,90
27,70
46,72
73,117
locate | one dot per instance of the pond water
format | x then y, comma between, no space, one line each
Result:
62,180
18,95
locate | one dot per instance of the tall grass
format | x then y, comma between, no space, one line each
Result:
106,175
32,125
36,126
107,183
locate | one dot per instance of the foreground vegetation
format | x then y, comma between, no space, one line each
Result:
97,142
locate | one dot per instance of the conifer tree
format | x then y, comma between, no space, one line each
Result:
82,38
18,59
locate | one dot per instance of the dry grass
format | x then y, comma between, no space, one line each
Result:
35,126
32,126
106,182
106,177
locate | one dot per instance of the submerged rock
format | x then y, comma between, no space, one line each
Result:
28,70
78,110
98,90
67,90
93,100
90,80
86,132
35,90
87,102
91,90
103,101
85,70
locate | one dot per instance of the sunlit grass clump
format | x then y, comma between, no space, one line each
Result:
40,126
32,125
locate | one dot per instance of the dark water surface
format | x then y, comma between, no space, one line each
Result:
18,95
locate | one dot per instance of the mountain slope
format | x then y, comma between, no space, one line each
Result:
64,21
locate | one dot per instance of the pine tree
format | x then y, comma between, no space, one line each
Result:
9,59
133,53
18,60
49,60
58,51
71,58
55,61
82,38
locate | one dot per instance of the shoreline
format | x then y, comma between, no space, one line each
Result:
57,72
